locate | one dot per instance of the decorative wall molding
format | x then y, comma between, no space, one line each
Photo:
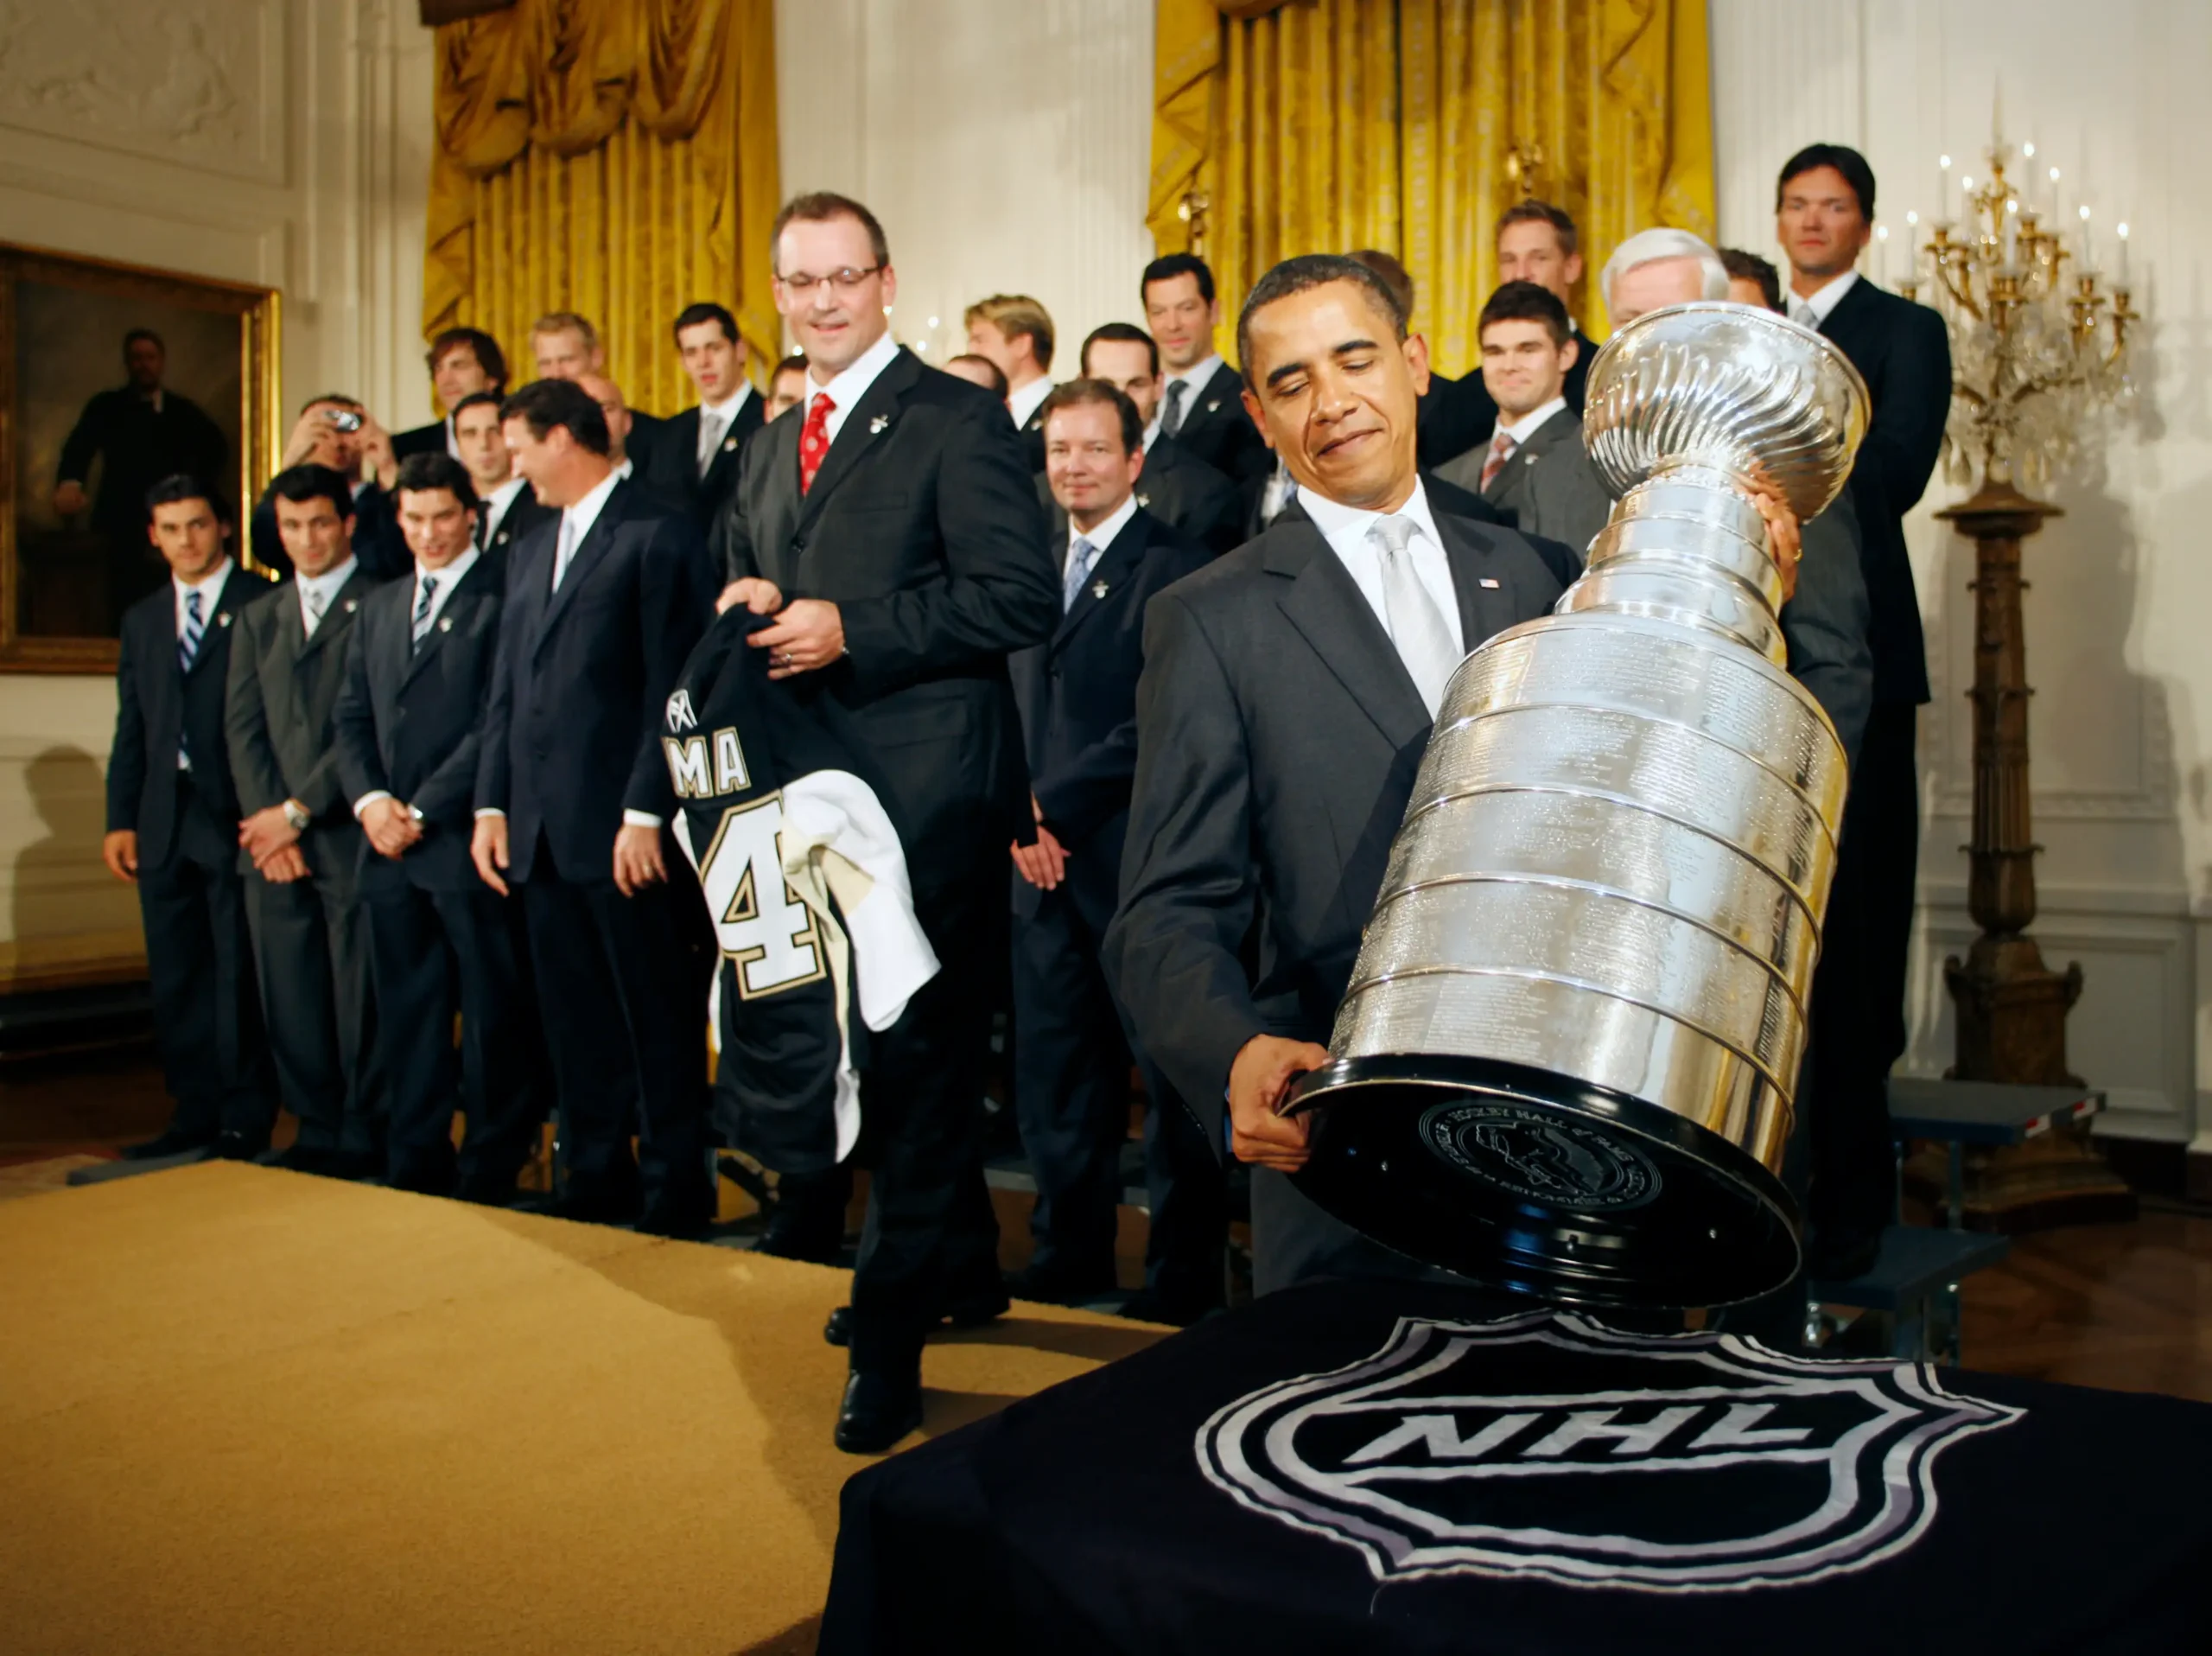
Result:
194,78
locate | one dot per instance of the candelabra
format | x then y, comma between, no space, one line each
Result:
2039,354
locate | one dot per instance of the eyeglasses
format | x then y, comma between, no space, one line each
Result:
845,281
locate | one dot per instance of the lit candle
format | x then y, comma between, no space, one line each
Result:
1882,254
2028,193
2121,231
1943,190
2089,246
1997,116
1967,217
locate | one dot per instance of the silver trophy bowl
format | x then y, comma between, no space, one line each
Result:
1565,1059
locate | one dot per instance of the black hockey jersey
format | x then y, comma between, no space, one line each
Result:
806,885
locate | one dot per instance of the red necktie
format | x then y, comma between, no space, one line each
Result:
814,439
1500,447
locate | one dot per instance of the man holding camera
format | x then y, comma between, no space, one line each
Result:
336,431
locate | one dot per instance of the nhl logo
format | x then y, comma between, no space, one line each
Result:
680,716
1677,1463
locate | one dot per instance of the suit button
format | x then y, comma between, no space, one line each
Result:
798,543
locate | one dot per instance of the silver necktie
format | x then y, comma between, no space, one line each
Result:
565,550
1802,312
1171,421
1417,626
711,427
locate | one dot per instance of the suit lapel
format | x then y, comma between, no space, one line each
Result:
874,415
335,620
1485,611
771,536
459,604
1116,564
1326,605
588,557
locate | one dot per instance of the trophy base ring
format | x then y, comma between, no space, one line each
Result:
1536,1183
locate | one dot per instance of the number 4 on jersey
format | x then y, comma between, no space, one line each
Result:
766,931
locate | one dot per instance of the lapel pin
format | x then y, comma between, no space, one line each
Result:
222,618
1144,501
1528,460
875,426
1488,581
1214,407
352,604
728,443
1098,588
445,623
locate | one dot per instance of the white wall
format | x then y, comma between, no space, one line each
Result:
282,141
2120,589
1006,144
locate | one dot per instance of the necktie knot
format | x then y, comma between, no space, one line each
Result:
1802,313
711,436
1171,421
192,603
1501,449
1395,531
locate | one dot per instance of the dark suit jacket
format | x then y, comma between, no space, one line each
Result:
1901,350
923,527
1509,490
1458,415
571,734
1216,429
1278,738
138,448
1179,490
1078,693
524,513
674,468
421,440
283,687
1033,439
156,705
377,541
407,722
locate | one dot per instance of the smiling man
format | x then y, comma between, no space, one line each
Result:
1528,349
1286,699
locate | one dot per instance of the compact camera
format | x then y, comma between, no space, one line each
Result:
345,419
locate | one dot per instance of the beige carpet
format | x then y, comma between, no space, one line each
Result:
243,1411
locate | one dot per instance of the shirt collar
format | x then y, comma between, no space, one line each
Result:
1102,536
1197,373
848,387
585,513
727,410
326,585
1152,433
498,499
209,586
1026,401
1529,424
1825,299
1347,525
450,576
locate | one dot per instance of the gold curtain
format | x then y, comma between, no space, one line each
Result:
1327,126
613,157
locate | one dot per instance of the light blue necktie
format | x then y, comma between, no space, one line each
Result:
1080,559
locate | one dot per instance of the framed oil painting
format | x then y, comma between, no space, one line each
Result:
112,377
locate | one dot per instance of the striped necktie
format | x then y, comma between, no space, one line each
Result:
188,643
1080,558
424,594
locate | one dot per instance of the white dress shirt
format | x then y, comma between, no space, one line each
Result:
1151,432
453,443
848,387
495,505
1028,400
1195,376
576,521
1529,424
1825,300
1345,528
1102,537
711,434
623,469
323,590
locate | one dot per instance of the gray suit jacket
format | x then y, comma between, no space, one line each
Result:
1509,491
1278,735
283,689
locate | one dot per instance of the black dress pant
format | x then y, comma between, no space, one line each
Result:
434,954
200,963
311,944
1858,1023
626,1024
931,1237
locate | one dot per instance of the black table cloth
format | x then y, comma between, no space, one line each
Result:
1373,1467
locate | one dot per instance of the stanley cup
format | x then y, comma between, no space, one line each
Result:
1566,1061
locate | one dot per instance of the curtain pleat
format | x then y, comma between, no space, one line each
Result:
1327,126
613,157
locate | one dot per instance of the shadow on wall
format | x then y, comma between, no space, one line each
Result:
60,887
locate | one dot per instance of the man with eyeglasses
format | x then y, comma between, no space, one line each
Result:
894,533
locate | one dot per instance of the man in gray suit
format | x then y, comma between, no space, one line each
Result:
1286,699
300,848
1528,347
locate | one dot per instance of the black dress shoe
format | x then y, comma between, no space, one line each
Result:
1055,1284
838,1330
971,1311
810,1237
236,1147
176,1141
879,1409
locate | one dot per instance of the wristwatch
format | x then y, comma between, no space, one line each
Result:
296,814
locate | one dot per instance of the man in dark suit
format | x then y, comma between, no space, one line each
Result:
172,830
299,846
506,507
567,346
695,460
1528,348
573,804
1201,405
1014,334
141,432
440,941
1177,488
463,362
1078,696
1824,204
894,532
336,431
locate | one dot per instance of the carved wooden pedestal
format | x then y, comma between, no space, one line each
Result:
2011,1007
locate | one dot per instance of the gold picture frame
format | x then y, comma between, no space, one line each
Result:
65,576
